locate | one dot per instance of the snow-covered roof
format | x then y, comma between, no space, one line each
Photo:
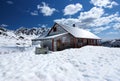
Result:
79,33
53,36
75,31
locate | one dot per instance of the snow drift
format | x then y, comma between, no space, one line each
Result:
90,63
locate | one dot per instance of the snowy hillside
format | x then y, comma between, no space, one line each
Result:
10,39
18,61
19,37
90,63
112,43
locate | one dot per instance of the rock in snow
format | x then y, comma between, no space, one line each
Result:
89,63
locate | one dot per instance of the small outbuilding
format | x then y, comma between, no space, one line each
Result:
62,37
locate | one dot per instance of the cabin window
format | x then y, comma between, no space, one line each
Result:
63,39
95,41
54,29
98,41
84,40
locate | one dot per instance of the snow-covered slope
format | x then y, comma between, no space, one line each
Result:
31,31
90,63
19,37
112,43
10,39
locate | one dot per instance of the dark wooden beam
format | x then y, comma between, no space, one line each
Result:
75,43
52,44
51,29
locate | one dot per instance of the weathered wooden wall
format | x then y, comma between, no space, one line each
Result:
59,30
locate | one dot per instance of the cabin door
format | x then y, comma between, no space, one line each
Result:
87,41
58,45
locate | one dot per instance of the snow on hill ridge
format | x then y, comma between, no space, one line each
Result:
89,63
112,43
21,36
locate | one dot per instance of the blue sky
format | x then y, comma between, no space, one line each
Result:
101,17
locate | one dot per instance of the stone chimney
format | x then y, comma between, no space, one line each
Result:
73,25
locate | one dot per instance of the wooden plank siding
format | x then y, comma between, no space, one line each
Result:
84,41
75,43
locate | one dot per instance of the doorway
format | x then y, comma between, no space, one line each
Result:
59,45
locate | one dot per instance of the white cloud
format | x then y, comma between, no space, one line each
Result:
113,3
9,2
72,9
45,9
95,20
100,29
116,26
112,33
34,13
3,25
84,17
92,13
104,3
106,20
69,21
96,25
87,18
44,25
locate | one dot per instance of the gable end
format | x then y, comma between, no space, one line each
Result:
56,29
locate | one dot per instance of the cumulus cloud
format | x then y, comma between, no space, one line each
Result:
9,2
116,26
92,13
96,24
69,21
44,25
105,20
112,33
72,9
100,29
84,19
113,3
96,19
65,21
104,3
34,13
45,9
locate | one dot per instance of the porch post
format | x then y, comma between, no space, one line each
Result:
96,42
52,44
99,42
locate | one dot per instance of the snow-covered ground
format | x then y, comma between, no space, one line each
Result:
89,63
12,40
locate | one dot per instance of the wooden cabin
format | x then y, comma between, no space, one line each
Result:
62,37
